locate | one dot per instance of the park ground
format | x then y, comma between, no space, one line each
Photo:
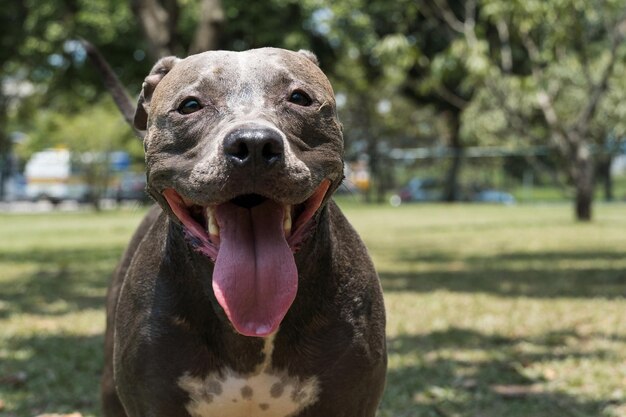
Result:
492,311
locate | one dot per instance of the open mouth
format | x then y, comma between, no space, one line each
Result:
252,239
203,224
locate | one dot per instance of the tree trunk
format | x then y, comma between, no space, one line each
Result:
372,152
157,23
5,145
384,180
604,174
209,25
608,185
3,171
583,204
583,176
451,184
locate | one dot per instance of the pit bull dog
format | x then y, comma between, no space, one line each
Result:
246,293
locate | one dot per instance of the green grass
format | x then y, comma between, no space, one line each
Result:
54,273
492,311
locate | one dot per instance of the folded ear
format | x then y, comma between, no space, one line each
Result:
162,67
310,56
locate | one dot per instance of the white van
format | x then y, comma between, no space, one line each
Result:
51,175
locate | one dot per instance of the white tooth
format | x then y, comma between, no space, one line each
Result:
214,229
287,220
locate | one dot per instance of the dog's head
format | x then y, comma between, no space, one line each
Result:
243,149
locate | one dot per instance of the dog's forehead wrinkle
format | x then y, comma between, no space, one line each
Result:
245,80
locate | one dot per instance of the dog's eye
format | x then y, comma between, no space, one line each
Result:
189,105
300,98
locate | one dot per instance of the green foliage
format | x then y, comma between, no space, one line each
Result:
67,93
279,23
44,53
98,128
573,45
408,70
90,135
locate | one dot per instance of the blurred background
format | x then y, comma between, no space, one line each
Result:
442,100
513,307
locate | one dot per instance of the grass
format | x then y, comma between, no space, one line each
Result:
492,311
551,193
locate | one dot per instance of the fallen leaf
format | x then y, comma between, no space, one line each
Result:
469,383
61,415
15,380
549,374
516,391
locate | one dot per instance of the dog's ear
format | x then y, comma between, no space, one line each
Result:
310,56
162,67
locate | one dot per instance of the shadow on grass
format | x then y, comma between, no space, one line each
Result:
58,281
586,274
51,374
446,383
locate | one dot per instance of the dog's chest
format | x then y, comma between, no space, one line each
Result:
266,392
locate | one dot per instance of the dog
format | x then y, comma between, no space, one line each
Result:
245,291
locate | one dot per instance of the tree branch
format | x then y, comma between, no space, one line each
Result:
533,54
584,57
520,125
544,99
541,167
506,55
451,97
469,26
598,90
566,143
449,17
518,122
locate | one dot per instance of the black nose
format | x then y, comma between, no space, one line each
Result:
259,146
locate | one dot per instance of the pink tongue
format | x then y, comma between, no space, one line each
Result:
255,279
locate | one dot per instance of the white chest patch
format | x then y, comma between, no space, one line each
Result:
265,393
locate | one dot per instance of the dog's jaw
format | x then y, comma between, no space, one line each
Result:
252,241
202,227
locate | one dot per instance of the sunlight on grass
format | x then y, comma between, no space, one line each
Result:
501,311
55,269
492,311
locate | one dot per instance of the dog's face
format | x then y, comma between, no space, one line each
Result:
242,149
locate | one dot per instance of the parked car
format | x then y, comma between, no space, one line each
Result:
15,188
132,186
431,190
418,190
494,196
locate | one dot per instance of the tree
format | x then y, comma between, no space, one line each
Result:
434,51
161,24
91,136
559,59
573,50
43,57
531,63
43,52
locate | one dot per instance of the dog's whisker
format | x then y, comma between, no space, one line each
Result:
324,104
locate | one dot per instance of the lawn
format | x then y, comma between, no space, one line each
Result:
492,311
